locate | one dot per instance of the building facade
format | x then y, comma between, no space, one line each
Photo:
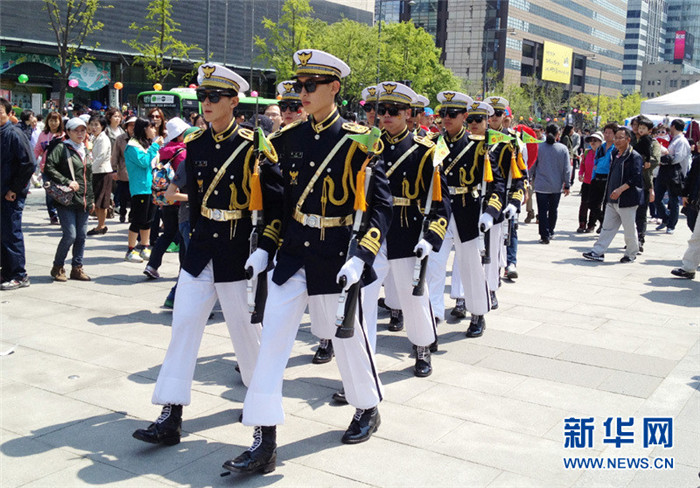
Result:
662,78
222,29
684,15
644,40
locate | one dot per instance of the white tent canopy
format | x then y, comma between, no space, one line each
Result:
685,101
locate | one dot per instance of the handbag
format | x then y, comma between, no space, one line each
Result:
61,194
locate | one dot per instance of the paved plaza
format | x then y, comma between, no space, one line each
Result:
571,339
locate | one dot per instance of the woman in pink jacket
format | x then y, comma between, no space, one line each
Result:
53,128
584,176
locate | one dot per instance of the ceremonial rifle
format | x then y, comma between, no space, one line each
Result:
434,194
347,302
256,286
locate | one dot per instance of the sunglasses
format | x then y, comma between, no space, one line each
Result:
392,110
368,107
310,84
498,113
417,111
213,95
475,118
453,113
292,106
154,116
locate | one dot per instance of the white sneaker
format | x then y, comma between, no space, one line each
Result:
133,256
145,253
511,272
151,272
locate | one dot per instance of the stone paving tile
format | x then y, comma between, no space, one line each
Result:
605,358
632,384
612,340
681,476
512,480
460,375
537,346
545,368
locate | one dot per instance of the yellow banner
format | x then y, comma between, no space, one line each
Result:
556,62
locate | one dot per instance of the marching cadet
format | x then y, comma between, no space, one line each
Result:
417,111
219,163
408,162
475,188
319,163
507,156
369,96
290,103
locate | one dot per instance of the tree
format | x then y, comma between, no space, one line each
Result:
72,21
287,36
158,54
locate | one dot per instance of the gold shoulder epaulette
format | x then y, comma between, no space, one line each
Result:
475,137
432,135
246,133
191,137
424,141
287,127
355,128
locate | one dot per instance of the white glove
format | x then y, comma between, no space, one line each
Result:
352,270
485,222
510,211
424,246
257,261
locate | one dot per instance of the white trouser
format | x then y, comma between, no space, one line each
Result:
194,299
263,402
497,254
417,313
391,298
468,274
614,217
691,258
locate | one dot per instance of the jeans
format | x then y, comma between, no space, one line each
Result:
668,179
50,204
547,208
169,215
12,259
512,250
74,227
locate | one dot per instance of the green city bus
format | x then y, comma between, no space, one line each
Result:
181,102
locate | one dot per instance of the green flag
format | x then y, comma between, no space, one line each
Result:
263,145
369,139
528,139
494,137
441,151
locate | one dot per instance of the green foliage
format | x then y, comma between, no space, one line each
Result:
162,48
72,21
287,36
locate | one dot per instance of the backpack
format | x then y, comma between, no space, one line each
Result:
163,174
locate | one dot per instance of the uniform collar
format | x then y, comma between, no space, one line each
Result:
325,123
227,132
456,138
398,138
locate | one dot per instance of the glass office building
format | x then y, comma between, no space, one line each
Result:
684,15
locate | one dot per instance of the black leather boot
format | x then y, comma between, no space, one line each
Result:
261,456
494,300
363,425
460,310
477,326
339,397
165,430
423,367
396,321
324,353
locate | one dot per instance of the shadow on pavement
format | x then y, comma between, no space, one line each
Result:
684,292
139,316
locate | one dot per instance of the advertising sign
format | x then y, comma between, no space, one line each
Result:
556,62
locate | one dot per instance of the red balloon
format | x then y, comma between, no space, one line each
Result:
193,85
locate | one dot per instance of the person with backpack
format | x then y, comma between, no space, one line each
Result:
68,164
140,156
171,155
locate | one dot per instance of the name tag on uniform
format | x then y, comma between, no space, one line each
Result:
200,164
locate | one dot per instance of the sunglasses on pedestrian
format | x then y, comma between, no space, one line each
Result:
415,112
392,110
368,107
475,118
154,116
311,84
498,113
292,106
451,113
213,95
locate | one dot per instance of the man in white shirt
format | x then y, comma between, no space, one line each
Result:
672,170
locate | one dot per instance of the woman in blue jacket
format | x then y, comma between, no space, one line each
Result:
140,156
